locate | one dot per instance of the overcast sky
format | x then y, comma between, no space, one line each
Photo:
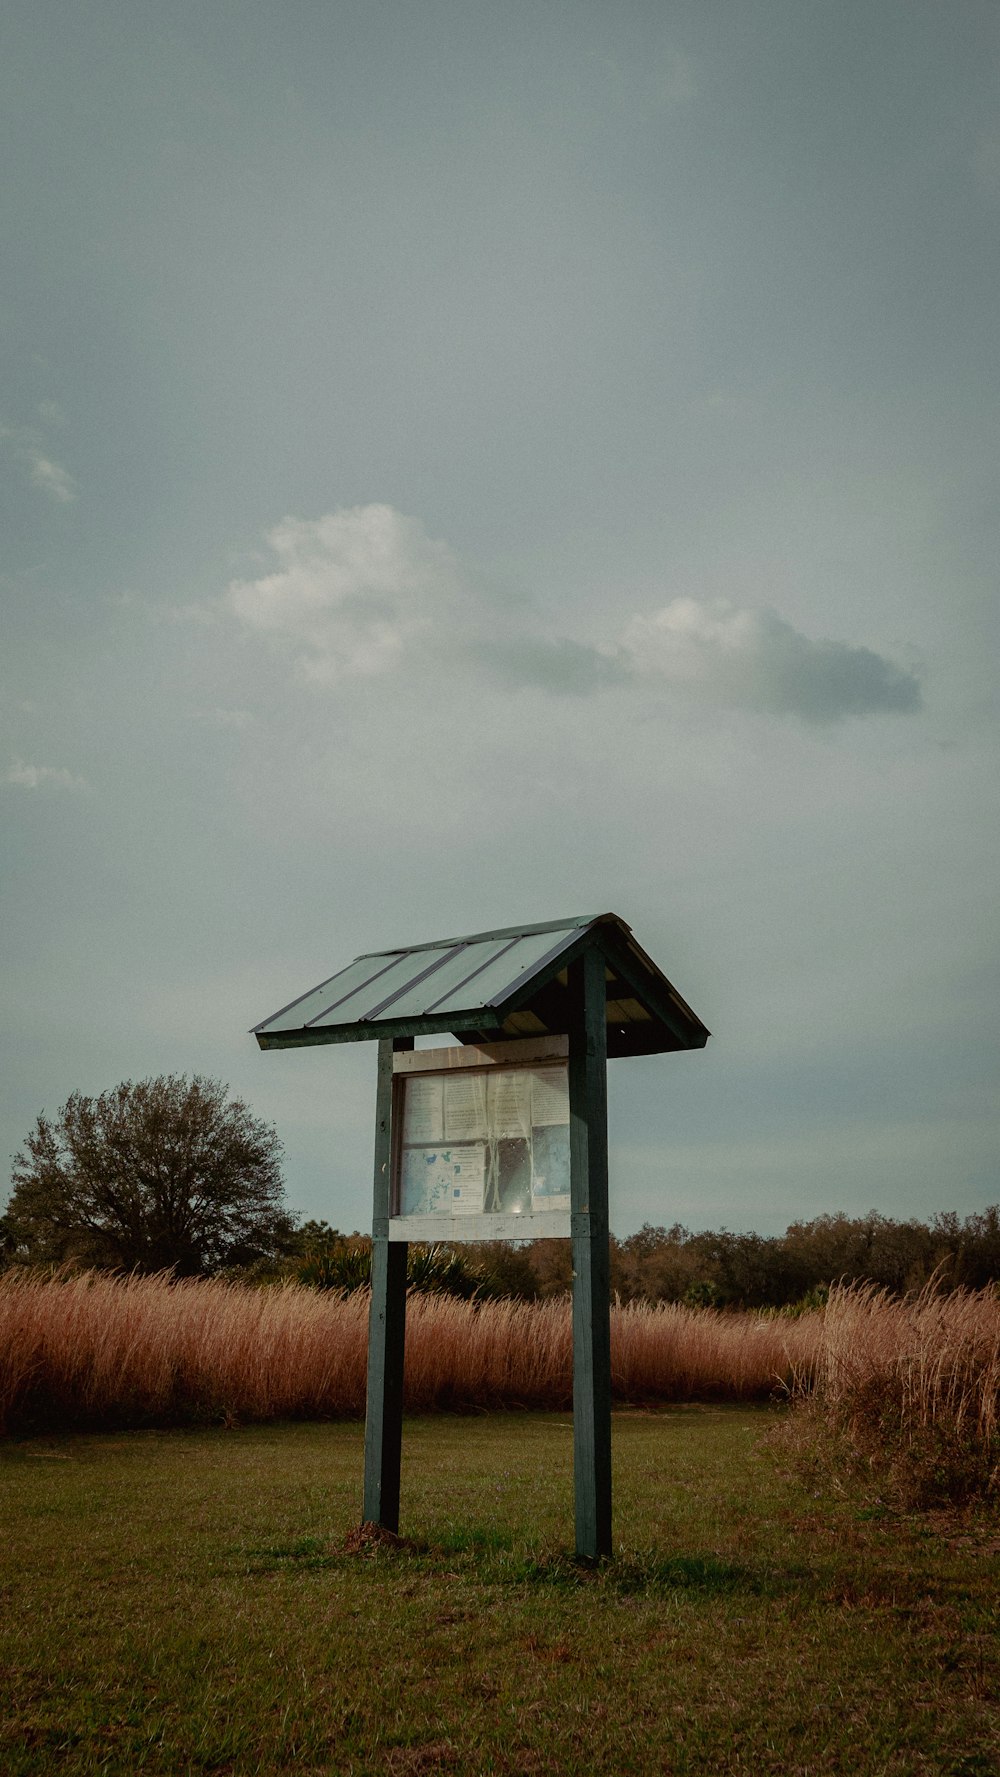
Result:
468,463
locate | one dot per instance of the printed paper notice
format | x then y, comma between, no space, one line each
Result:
442,1181
550,1168
509,1105
470,1179
464,1107
423,1109
550,1096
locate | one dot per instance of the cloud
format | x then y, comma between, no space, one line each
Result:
50,477
351,590
755,660
364,591
33,777
717,654
553,664
44,472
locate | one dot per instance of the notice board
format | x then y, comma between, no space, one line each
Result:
482,1148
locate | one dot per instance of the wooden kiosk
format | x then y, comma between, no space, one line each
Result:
504,1136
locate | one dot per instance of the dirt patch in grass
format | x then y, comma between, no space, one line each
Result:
371,1539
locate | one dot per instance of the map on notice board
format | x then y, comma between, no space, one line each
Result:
442,1181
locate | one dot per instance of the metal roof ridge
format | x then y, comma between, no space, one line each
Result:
526,931
529,977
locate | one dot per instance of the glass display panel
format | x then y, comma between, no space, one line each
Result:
484,1142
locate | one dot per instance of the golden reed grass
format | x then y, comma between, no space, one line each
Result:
907,1393
94,1349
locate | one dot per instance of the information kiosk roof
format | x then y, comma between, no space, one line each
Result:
511,983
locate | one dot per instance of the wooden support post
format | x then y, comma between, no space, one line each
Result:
588,1120
386,1320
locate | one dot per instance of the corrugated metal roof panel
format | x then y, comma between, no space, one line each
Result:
330,995
514,979
413,977
455,982
498,980
458,975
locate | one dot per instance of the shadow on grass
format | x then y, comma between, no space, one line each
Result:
694,1573
305,1555
487,1554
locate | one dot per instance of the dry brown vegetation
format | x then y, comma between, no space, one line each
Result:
905,1394
95,1349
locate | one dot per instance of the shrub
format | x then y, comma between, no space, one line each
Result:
345,1265
905,1397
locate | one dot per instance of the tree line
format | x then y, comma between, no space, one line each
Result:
721,1269
173,1173
710,1269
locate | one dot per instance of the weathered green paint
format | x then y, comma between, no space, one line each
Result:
386,1320
690,1032
588,1115
450,1023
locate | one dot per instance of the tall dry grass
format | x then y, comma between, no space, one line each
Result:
905,1395
94,1350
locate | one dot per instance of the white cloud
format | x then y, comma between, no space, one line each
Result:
43,471
364,590
50,477
46,474
33,777
755,660
351,592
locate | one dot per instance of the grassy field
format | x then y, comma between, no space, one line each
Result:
182,1601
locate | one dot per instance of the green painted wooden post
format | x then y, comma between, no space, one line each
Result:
588,1134
386,1320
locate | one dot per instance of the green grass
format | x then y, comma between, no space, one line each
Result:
181,1602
